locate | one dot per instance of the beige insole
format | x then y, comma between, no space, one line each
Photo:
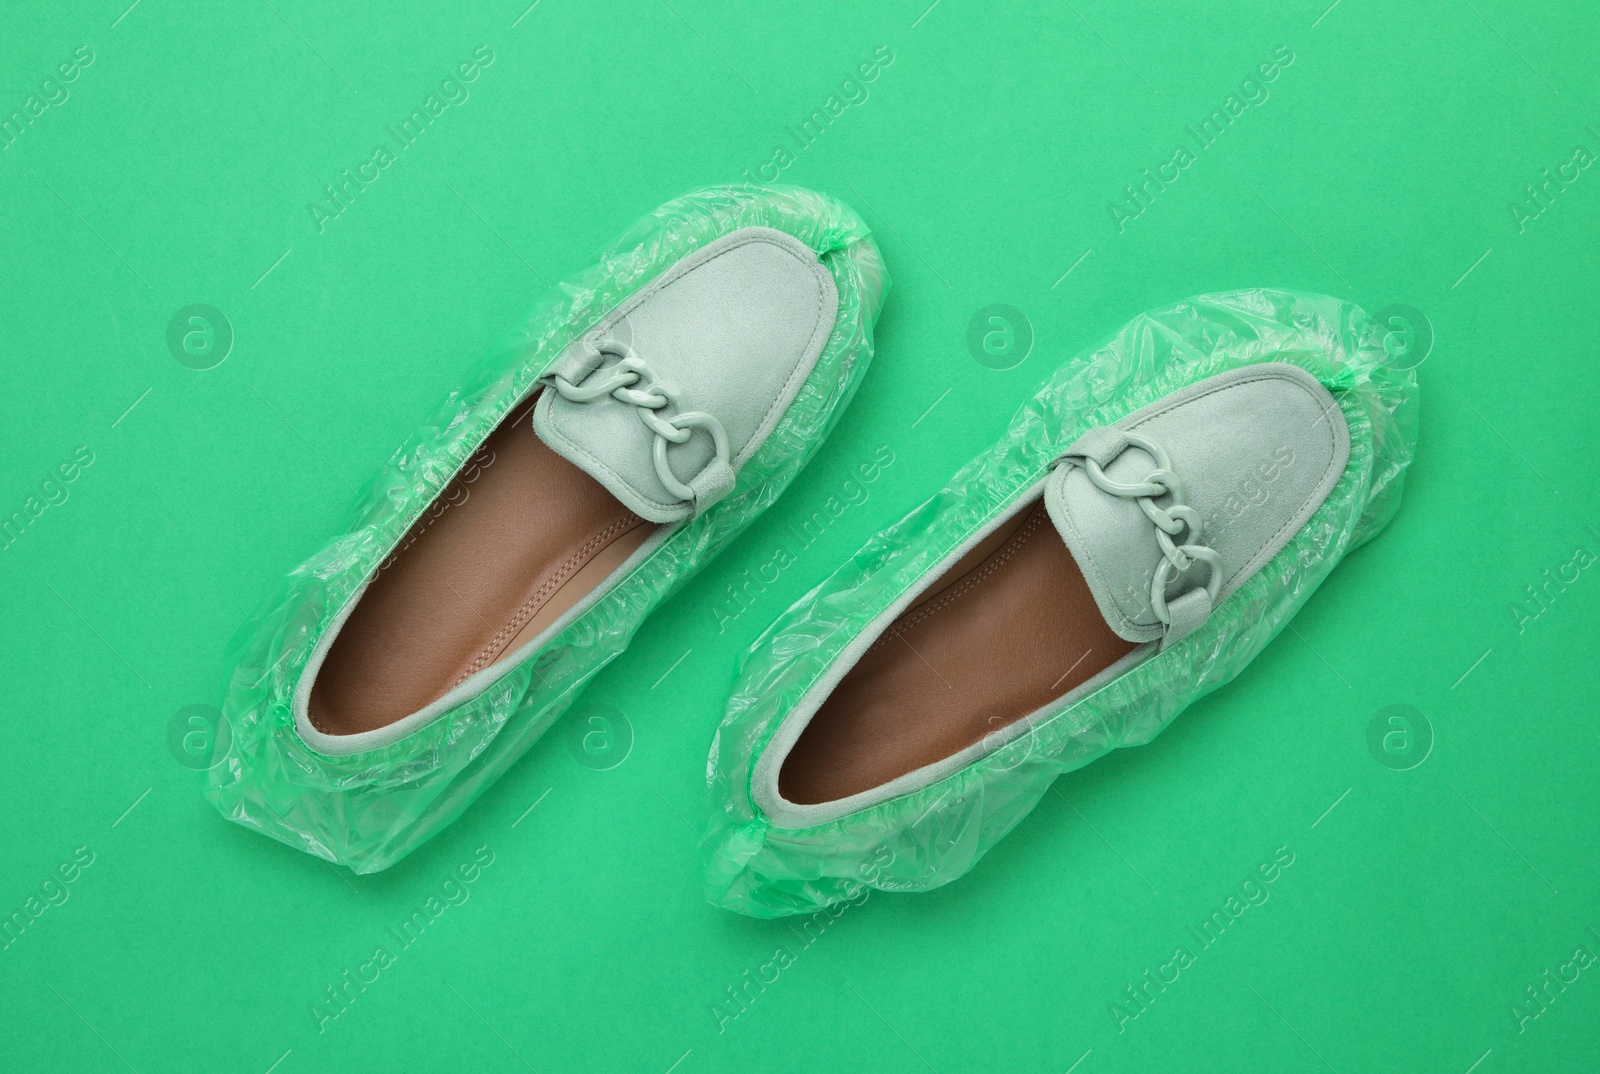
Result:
513,542
1007,629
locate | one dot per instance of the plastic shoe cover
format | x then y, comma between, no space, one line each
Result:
369,809
935,834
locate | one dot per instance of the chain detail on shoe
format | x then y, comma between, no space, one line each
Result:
1169,521
632,381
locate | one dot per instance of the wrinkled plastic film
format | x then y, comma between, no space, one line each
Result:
370,809
932,836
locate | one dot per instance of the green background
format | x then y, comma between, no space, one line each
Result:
1420,905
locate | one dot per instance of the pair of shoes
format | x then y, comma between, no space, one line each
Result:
1152,518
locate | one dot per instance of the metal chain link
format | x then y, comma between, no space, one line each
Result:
1169,522
632,381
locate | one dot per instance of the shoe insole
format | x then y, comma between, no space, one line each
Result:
1007,629
516,539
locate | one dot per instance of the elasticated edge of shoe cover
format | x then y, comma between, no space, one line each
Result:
368,810
934,835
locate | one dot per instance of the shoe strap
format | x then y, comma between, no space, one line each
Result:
631,380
